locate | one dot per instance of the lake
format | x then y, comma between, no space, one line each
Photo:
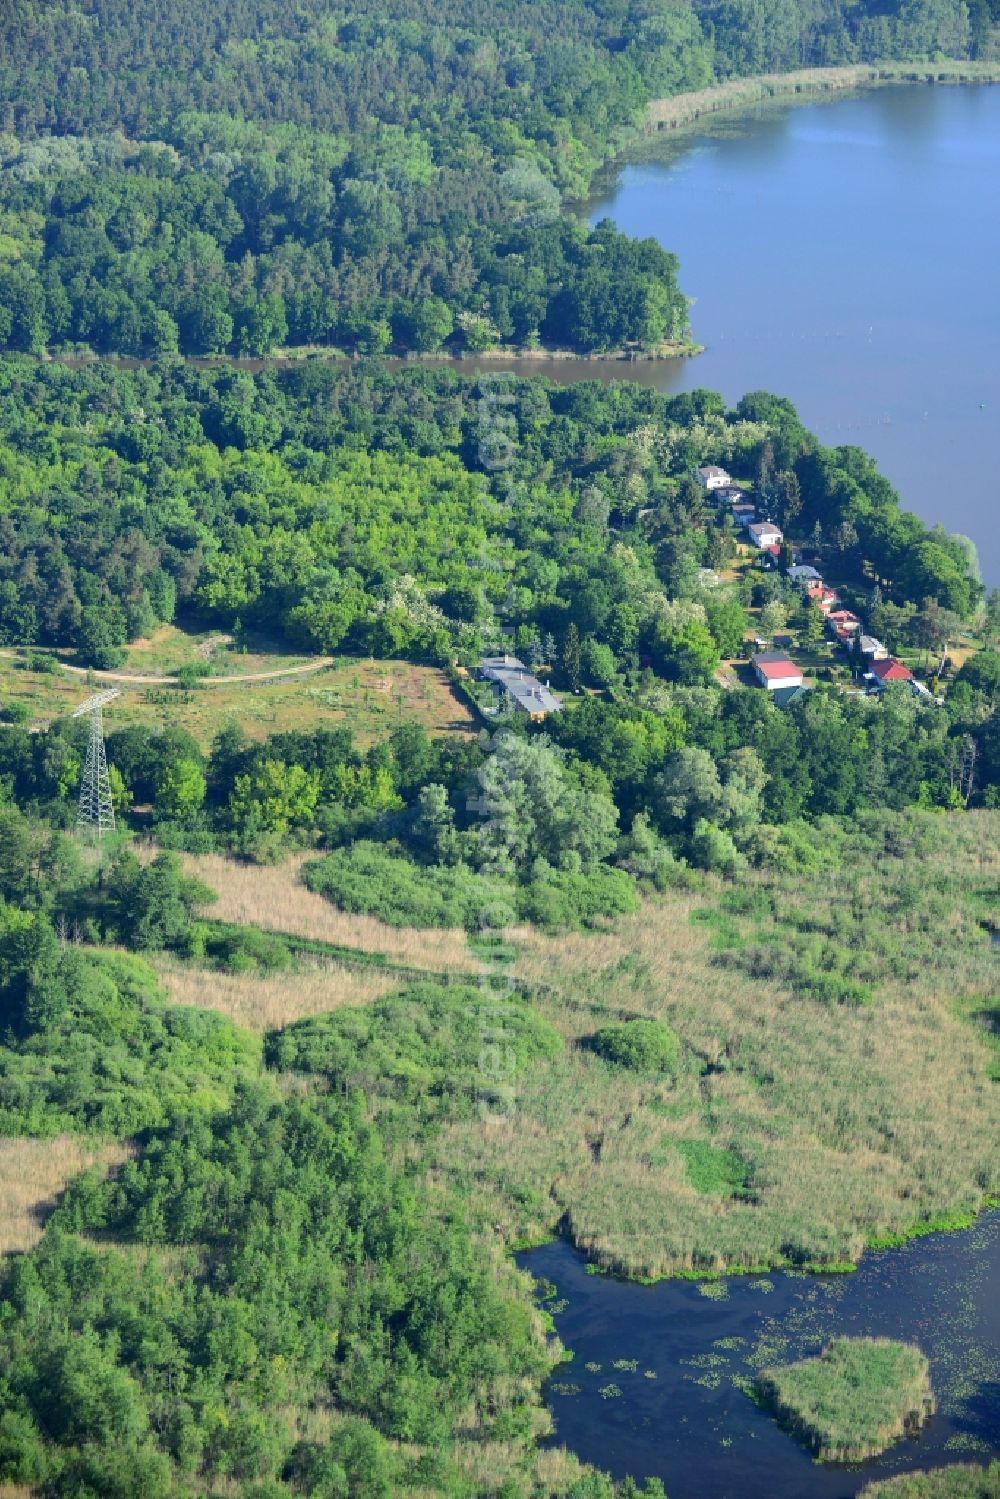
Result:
692,1425
844,254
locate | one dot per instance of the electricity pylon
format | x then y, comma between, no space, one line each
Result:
96,812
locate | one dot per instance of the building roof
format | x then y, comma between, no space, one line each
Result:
713,471
843,617
869,645
891,670
803,573
781,697
773,665
514,677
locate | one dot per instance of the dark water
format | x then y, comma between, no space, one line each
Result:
845,254
693,1427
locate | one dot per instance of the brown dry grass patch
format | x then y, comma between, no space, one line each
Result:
261,1003
273,898
32,1175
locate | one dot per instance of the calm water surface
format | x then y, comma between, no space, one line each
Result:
845,254
693,1426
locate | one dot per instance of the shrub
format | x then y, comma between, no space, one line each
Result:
647,1046
437,1045
366,878
564,899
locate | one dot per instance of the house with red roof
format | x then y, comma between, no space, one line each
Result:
890,670
775,671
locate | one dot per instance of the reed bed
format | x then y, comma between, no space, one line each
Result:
854,1123
273,898
956,1481
263,1003
33,1173
856,1399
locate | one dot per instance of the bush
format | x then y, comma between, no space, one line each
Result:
249,951
367,879
110,1056
571,899
441,1047
647,1046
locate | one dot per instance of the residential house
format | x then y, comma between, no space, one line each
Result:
843,621
803,574
712,477
744,515
515,682
888,670
872,648
764,534
730,494
826,598
775,670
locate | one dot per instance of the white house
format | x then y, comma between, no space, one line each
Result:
774,670
712,477
765,533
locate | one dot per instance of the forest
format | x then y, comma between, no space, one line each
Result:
264,177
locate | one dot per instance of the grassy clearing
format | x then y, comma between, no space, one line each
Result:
261,1003
32,1175
800,1126
273,898
960,1481
853,1401
370,696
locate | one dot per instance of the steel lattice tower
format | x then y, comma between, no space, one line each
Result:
96,812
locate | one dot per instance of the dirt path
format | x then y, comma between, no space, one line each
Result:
129,679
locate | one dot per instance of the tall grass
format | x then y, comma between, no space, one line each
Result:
957,1481
858,1397
843,1123
32,1175
269,1003
272,897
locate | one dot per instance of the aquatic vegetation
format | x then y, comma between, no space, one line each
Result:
609,1391
858,1397
714,1290
593,1368
631,1364
960,1481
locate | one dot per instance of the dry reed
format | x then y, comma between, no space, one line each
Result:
273,898
854,1122
261,1003
32,1175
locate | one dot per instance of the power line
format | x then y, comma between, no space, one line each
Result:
96,811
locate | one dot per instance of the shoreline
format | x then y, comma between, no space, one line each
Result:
682,110
319,354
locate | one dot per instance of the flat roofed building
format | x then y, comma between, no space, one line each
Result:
773,669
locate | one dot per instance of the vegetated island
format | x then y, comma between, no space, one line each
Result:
858,1397
957,1481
